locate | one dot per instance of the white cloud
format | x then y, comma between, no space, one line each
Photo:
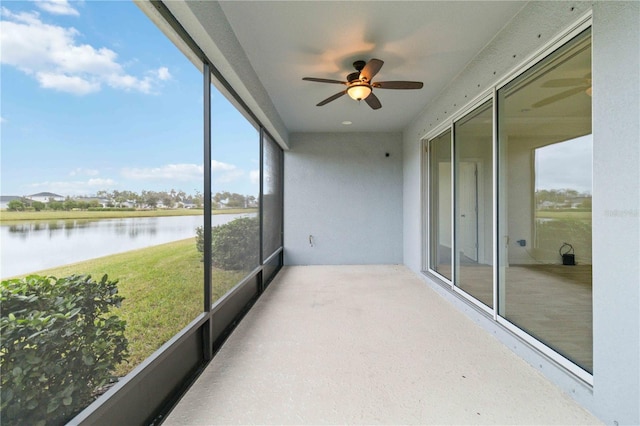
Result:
228,176
76,187
225,172
3,120
57,7
84,172
58,61
176,172
254,176
163,73
222,172
218,166
65,83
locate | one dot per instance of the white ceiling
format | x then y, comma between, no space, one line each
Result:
424,41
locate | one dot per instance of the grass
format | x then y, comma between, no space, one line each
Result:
560,226
7,217
163,291
563,214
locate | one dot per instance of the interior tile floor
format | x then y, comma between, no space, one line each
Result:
366,344
550,302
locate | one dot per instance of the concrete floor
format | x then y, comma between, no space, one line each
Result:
367,345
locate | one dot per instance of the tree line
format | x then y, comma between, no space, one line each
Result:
562,198
144,199
151,199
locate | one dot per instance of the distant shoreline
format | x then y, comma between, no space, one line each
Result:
10,217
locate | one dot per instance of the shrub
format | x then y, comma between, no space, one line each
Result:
56,205
15,206
111,209
234,245
59,346
38,205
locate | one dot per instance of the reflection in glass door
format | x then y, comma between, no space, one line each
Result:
544,227
440,190
473,148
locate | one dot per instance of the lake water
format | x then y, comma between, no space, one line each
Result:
32,246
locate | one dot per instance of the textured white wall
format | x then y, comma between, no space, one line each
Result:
615,396
342,189
616,210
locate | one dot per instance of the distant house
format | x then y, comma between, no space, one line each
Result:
45,197
186,205
5,199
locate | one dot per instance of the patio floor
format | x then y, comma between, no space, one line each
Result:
368,344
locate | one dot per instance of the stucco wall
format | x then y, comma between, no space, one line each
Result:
344,191
615,394
616,210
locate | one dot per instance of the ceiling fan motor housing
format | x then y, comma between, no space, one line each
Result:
359,65
353,76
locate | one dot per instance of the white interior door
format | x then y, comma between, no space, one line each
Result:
468,208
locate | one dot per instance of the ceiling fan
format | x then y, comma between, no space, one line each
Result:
583,85
359,84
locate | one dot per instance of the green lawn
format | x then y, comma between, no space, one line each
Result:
162,286
563,214
8,216
564,226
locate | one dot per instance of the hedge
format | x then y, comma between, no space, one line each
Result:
59,346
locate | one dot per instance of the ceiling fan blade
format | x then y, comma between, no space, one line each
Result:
323,80
564,82
371,69
559,96
398,85
373,101
332,98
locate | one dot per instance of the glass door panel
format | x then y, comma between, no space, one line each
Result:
473,147
440,192
544,227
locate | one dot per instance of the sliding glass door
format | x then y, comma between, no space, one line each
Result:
544,230
473,149
521,195
441,242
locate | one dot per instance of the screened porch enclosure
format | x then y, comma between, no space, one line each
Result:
407,264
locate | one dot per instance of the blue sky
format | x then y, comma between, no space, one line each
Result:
94,97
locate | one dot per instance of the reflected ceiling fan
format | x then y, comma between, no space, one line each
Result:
582,85
359,84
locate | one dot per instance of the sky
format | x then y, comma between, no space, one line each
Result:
566,165
94,97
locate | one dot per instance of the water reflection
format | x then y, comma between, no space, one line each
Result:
132,227
51,228
32,246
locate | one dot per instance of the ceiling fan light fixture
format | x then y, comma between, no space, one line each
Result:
360,84
359,91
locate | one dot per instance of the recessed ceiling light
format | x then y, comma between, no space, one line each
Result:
347,122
